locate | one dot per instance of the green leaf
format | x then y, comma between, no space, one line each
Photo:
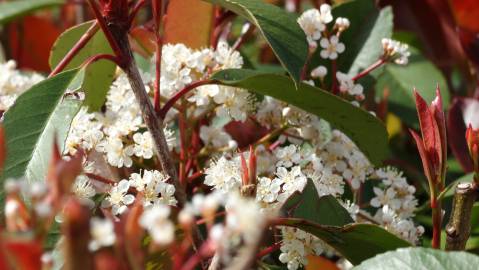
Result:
38,115
367,131
356,242
324,210
363,38
400,81
14,9
278,27
98,75
421,258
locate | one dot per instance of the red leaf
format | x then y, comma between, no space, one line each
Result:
31,41
245,133
430,135
26,255
144,41
438,114
423,154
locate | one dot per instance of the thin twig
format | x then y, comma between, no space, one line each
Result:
76,49
180,94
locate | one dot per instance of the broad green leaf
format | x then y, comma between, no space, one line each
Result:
98,75
31,124
278,27
400,81
14,9
367,131
362,39
356,242
421,258
324,210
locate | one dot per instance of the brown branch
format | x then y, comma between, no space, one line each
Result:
459,227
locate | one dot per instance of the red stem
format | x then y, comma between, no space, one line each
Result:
195,176
365,72
76,49
334,69
268,250
179,94
244,36
157,18
436,223
98,57
100,178
136,9
104,27
206,250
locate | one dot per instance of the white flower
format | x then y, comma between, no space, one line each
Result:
118,198
83,189
347,85
312,25
325,14
331,47
267,190
102,233
328,183
117,154
223,175
319,72
143,145
154,186
294,180
235,103
342,24
155,220
396,51
296,246
215,137
287,156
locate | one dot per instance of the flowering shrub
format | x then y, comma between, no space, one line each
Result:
243,136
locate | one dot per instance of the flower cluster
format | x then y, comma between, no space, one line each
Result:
13,83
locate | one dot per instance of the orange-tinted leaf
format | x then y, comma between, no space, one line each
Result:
189,22
466,13
318,262
31,41
422,154
144,41
25,254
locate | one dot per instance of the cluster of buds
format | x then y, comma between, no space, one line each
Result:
472,139
395,51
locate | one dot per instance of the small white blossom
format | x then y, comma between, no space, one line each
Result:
118,198
347,85
117,154
84,190
223,175
102,233
342,24
144,145
312,25
331,47
155,220
396,51
319,72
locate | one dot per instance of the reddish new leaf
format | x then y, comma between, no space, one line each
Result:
423,154
430,135
144,41
438,114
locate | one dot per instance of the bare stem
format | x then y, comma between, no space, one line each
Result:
365,72
459,227
436,223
